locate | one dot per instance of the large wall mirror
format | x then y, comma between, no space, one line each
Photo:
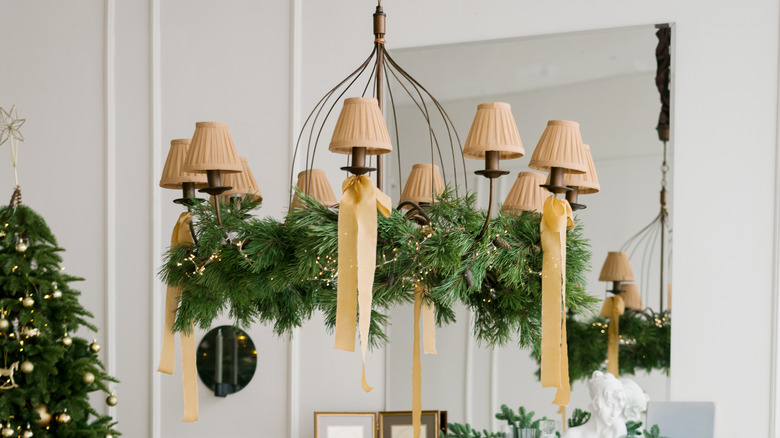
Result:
603,79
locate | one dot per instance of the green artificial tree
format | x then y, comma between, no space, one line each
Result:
46,373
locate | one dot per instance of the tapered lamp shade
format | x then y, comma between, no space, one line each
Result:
212,148
314,183
526,194
242,183
617,267
173,175
423,185
631,296
493,129
361,124
588,182
560,146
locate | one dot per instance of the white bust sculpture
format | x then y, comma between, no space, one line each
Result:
636,400
606,406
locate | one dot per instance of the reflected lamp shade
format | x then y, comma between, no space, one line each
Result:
173,175
360,124
423,185
526,194
493,129
616,267
631,296
560,146
318,188
212,148
242,183
588,182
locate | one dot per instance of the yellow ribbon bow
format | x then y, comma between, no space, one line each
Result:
360,201
556,218
181,236
612,309
429,330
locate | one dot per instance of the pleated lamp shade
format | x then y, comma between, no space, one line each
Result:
631,296
318,188
526,194
424,184
616,267
560,146
360,124
173,175
212,148
588,182
493,129
242,183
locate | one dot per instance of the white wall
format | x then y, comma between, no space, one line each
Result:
63,58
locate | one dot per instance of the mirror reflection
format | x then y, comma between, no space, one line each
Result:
605,80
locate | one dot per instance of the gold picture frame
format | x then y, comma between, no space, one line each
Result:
397,424
338,424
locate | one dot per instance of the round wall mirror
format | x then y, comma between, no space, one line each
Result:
226,360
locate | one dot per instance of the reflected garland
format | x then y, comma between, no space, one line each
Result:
644,343
279,273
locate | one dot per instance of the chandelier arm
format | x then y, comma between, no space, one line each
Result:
415,211
647,257
319,103
424,110
395,126
639,234
371,77
490,210
330,110
449,123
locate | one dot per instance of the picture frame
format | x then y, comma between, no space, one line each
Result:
398,424
344,424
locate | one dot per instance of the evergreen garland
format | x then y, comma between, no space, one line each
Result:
644,343
280,272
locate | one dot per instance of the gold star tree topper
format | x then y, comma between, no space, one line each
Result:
9,125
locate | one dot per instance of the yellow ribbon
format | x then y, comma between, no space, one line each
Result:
429,330
556,218
360,201
612,309
181,236
562,411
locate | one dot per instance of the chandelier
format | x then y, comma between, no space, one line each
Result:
355,256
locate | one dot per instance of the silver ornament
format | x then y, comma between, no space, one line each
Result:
27,367
28,301
112,400
56,294
67,341
94,347
8,432
27,434
109,436
88,378
4,324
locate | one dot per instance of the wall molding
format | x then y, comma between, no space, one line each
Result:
111,190
157,243
774,377
293,346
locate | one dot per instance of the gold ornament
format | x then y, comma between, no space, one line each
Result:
43,411
7,431
28,301
30,331
94,347
112,400
56,294
109,436
88,378
4,324
27,367
63,418
67,341
27,434
21,246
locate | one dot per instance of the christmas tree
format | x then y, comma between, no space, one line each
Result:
46,374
